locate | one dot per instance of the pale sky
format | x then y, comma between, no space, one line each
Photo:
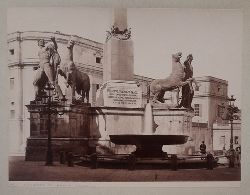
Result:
214,37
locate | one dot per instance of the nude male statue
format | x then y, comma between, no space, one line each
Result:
49,59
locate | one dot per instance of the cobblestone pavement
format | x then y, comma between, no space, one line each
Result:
20,170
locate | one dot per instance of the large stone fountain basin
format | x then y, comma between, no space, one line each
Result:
134,139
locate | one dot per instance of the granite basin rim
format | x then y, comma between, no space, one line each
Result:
138,139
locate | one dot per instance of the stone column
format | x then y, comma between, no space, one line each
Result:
120,18
119,52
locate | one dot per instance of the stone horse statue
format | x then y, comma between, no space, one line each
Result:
175,80
78,80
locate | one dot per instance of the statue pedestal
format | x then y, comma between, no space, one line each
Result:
120,94
69,132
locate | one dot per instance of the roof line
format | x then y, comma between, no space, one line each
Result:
57,32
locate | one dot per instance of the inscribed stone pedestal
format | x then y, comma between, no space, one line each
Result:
125,94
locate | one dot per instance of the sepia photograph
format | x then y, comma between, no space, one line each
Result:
124,94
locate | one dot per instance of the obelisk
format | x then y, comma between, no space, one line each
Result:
118,50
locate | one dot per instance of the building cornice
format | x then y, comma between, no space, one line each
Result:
210,95
90,69
227,129
211,79
87,68
60,38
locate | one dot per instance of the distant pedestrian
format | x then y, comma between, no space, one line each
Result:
232,157
237,156
210,161
203,148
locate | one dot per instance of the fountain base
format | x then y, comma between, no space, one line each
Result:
149,151
148,145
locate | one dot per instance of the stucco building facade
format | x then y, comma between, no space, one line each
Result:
209,104
222,135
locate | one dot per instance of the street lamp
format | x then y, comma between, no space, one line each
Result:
49,106
231,116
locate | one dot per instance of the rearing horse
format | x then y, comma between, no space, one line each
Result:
175,80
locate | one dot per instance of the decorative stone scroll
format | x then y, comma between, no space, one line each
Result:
119,34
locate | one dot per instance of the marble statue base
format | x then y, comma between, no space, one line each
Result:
69,132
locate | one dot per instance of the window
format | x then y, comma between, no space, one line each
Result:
12,52
236,139
218,88
222,140
11,83
98,60
12,103
12,114
197,109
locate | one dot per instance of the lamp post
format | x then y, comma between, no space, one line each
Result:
51,107
231,112
231,116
